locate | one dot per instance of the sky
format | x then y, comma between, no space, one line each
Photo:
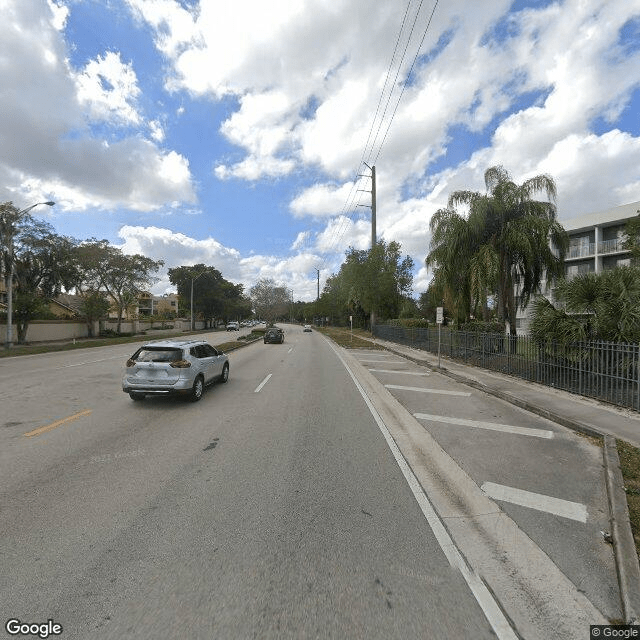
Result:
239,134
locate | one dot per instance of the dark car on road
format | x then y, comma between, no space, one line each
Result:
274,334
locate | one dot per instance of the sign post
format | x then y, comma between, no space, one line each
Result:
439,319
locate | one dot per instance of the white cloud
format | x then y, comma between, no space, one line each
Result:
60,13
47,149
301,240
538,90
108,88
157,131
295,272
322,200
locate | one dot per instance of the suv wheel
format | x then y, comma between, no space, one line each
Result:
136,396
225,373
197,389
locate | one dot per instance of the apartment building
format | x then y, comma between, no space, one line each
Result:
595,245
149,305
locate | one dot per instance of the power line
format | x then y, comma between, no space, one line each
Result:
406,46
350,205
386,80
406,82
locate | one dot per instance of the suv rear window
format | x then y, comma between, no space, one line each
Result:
158,354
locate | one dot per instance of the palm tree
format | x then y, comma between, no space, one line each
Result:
506,239
452,248
599,306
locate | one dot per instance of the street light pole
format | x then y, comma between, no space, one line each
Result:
192,281
9,341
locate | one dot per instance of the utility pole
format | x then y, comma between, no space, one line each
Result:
318,298
373,223
373,207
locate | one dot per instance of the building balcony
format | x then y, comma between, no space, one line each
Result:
581,251
611,246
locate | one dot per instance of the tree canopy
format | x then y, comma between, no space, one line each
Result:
269,299
213,296
591,306
42,263
123,276
377,280
507,238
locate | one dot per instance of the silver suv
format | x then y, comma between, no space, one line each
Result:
167,367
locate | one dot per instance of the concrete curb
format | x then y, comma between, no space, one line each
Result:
537,598
623,543
626,558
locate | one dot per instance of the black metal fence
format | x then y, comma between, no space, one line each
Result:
607,371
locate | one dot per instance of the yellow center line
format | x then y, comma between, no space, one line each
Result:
57,423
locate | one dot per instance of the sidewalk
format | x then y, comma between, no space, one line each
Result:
574,412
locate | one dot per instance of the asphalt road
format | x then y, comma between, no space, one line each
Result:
272,508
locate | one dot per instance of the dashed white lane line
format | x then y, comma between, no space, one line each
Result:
465,394
290,350
383,361
259,387
404,373
538,501
491,426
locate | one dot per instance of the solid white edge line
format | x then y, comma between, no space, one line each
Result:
259,387
465,394
483,596
537,501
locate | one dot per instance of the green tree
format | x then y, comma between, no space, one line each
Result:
504,239
632,240
270,300
44,266
377,280
123,276
591,306
453,244
93,307
213,296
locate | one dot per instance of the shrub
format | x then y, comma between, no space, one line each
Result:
409,323
479,326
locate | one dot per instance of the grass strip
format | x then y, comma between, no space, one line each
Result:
348,340
630,466
86,343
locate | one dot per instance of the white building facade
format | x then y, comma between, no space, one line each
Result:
595,245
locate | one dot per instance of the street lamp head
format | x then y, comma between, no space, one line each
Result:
49,203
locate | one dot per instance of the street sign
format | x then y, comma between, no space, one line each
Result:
439,315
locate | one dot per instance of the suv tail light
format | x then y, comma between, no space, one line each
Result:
180,364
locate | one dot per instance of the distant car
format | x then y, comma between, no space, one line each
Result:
274,334
174,367
307,327
233,326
